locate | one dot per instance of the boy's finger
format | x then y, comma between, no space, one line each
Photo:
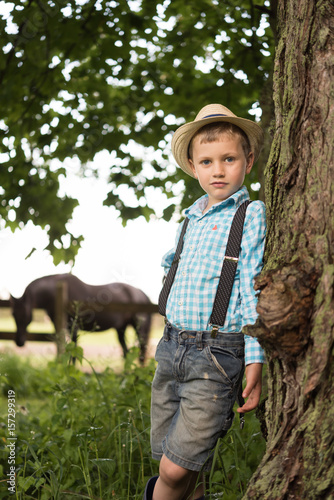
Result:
250,404
253,393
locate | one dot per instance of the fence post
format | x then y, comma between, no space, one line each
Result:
60,316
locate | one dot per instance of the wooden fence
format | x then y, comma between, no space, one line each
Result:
62,305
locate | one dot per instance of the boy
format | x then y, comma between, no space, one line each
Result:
200,364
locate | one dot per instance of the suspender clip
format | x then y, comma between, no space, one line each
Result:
233,259
214,331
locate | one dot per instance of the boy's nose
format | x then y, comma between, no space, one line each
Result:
218,170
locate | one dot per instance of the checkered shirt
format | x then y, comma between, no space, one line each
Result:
191,298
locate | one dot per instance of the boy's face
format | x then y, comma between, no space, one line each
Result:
220,166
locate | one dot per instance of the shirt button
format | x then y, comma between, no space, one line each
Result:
180,302
200,222
184,273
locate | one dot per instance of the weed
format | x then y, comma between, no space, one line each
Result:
86,435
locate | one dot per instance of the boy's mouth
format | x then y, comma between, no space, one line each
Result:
219,184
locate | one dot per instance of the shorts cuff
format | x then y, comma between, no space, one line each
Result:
187,464
156,456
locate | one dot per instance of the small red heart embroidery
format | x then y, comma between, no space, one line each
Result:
214,228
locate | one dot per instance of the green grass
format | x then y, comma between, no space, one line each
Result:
86,435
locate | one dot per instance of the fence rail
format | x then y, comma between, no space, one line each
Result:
31,336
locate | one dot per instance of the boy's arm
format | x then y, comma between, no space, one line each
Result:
251,262
252,391
253,248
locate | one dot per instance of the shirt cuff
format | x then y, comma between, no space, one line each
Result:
253,351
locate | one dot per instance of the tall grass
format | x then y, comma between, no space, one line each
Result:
86,435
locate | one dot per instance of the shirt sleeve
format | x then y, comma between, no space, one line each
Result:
253,351
167,259
251,257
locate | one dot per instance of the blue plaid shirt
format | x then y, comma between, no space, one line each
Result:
191,298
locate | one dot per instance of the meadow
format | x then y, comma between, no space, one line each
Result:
83,431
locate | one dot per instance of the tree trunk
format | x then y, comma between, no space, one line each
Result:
296,302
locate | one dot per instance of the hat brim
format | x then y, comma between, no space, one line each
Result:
184,134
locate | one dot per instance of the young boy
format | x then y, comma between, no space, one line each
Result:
200,365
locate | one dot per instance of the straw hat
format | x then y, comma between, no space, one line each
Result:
210,114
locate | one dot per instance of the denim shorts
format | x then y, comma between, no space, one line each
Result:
193,392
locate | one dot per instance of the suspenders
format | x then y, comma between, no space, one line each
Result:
227,275
225,284
172,271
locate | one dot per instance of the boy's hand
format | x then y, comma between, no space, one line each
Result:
252,391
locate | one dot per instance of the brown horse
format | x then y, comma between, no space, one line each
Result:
89,312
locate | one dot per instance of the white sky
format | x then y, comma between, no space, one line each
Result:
109,253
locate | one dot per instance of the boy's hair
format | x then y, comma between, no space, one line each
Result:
213,131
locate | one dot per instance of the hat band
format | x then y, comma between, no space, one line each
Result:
210,116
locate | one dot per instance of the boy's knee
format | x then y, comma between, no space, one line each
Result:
173,474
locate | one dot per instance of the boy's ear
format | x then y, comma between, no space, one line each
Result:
250,162
192,167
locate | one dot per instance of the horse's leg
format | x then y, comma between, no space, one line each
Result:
142,325
121,338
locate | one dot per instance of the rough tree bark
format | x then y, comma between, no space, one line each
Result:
296,302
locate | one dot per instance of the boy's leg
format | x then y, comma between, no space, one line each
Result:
193,393
177,483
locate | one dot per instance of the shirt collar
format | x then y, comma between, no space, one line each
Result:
236,199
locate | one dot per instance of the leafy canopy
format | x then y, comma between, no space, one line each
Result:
80,77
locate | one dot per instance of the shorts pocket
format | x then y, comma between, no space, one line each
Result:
226,361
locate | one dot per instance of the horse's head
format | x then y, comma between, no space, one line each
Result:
22,312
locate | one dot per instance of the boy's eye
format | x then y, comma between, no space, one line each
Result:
229,159
206,162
